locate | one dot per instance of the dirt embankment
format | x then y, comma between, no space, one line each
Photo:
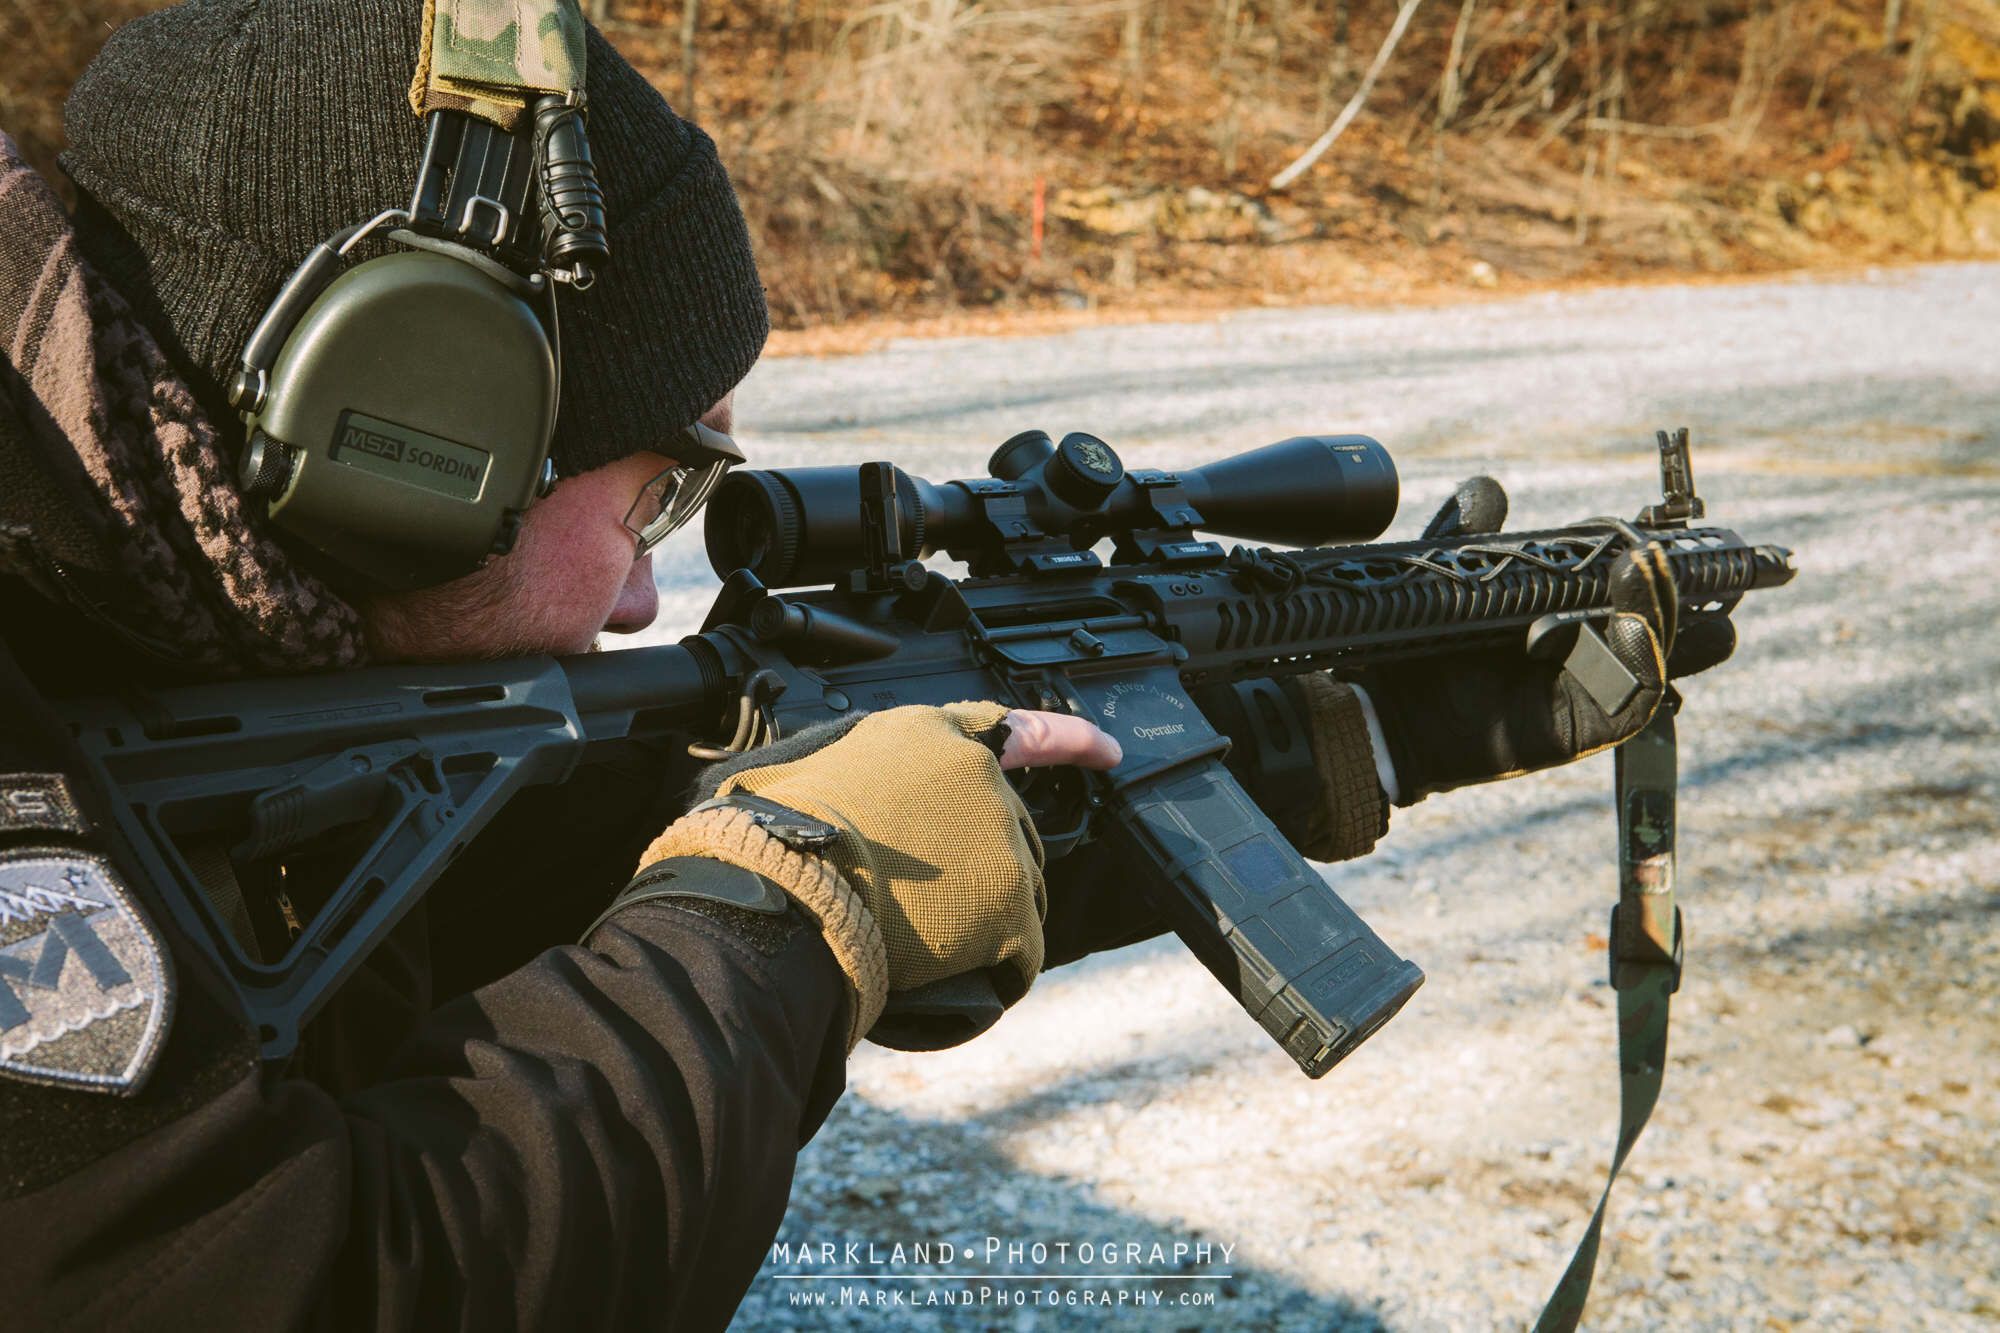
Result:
892,156
934,160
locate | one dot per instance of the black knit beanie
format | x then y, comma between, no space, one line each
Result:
215,143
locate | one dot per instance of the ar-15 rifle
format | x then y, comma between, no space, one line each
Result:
411,762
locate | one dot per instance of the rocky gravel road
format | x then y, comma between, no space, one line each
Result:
1824,1154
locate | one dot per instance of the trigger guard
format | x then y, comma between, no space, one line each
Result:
1050,794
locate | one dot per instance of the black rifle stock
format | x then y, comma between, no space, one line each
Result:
415,761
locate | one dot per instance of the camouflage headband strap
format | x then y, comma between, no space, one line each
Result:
491,58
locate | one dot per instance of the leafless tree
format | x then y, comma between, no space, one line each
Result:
1354,104
690,21
1450,92
1920,54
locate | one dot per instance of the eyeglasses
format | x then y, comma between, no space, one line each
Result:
670,500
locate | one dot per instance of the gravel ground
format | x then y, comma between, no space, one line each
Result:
1824,1153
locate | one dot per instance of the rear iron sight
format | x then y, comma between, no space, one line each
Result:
1046,504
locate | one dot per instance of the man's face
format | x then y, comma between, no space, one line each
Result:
571,575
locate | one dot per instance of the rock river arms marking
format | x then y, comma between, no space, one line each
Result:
1142,711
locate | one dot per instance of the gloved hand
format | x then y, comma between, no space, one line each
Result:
929,867
1474,717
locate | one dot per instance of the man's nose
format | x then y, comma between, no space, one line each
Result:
638,603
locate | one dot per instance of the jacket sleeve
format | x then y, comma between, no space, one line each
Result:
603,1138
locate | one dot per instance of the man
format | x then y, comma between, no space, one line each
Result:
489,1126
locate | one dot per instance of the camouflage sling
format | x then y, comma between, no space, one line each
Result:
490,58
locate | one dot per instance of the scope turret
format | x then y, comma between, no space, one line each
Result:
796,526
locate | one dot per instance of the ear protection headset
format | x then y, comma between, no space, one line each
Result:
399,412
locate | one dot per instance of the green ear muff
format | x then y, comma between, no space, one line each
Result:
405,424
399,413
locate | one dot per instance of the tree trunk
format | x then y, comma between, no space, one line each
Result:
787,21
1450,93
690,19
1592,110
1132,41
1920,58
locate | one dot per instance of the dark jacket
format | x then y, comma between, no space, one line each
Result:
486,1126
598,1135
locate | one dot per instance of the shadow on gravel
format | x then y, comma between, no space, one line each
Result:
1941,927
1520,825
876,1177
1811,744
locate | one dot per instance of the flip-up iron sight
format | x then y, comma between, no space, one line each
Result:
1046,504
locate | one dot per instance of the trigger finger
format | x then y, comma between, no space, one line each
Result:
1035,739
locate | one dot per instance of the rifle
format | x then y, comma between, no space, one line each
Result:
412,762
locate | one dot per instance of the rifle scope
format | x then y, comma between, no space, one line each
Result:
806,525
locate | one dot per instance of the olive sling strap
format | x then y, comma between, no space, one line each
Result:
1645,949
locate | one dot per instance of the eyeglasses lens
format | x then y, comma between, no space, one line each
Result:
668,501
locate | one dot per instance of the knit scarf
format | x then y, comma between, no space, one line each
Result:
89,392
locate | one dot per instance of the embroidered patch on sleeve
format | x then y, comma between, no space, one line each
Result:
86,989
38,803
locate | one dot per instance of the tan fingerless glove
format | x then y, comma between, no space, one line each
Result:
935,869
